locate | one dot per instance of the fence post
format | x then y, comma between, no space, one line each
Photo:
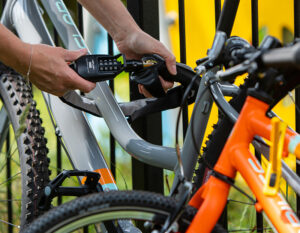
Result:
146,177
182,45
297,91
217,11
255,42
112,143
8,187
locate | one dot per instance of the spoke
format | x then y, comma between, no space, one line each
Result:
16,162
9,223
9,156
10,178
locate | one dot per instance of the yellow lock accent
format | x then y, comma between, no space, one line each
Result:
273,175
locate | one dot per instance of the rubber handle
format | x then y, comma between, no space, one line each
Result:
184,75
283,57
149,76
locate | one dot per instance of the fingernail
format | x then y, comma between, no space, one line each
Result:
173,69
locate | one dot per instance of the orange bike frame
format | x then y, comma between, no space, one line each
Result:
211,198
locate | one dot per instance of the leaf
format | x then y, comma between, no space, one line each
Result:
20,130
24,114
22,121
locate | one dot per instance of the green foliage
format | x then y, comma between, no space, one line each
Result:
22,121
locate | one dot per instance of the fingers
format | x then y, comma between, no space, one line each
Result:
166,84
171,64
169,58
143,91
73,55
76,82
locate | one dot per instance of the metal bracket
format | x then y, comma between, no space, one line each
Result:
273,174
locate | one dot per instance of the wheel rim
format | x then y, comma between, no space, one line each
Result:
94,219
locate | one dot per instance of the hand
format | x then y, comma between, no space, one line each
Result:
138,43
165,84
51,73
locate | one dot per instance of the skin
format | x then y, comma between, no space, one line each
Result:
49,70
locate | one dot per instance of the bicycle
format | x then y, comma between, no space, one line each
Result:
275,69
19,13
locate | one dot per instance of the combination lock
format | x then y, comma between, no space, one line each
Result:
97,68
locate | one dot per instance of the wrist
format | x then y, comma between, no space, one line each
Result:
17,56
126,34
24,58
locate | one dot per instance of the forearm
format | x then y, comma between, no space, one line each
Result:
13,52
113,16
130,39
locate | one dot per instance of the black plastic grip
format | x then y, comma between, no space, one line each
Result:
283,57
149,76
184,75
227,17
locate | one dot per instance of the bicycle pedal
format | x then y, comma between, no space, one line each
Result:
273,173
54,188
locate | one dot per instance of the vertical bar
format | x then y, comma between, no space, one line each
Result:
254,15
223,220
80,28
259,216
255,42
181,15
112,140
58,164
80,18
9,193
227,16
145,13
182,42
58,144
297,92
297,18
3,4
217,11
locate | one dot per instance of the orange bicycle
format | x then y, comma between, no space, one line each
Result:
277,72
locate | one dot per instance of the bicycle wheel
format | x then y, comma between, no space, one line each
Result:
25,157
90,211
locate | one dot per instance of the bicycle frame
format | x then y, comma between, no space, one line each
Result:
212,197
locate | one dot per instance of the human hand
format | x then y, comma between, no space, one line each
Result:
137,43
51,73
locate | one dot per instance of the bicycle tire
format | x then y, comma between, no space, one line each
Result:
218,137
33,173
109,206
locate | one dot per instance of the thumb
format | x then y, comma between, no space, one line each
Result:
169,59
73,55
